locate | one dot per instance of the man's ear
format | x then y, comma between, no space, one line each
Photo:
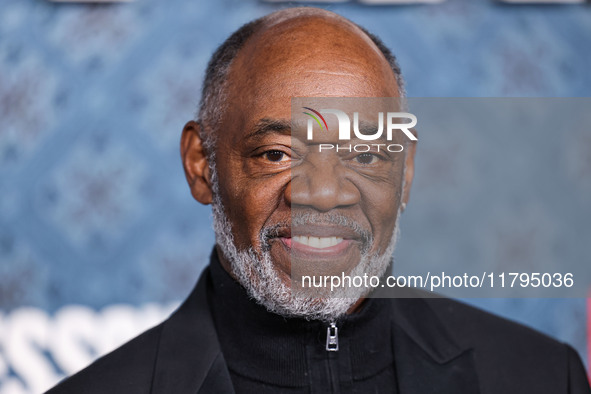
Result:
195,163
409,171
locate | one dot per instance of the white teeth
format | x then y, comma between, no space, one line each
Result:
317,242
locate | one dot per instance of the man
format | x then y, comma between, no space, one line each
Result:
242,329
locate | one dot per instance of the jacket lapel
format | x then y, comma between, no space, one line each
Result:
427,358
189,356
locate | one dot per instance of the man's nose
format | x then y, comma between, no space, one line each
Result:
322,186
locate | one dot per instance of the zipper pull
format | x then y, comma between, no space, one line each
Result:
332,338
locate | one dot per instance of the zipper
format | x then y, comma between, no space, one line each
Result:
332,338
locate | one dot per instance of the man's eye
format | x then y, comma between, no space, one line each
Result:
367,158
275,155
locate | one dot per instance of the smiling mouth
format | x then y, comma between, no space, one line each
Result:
329,237
316,242
317,247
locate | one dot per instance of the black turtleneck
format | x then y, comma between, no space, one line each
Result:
267,353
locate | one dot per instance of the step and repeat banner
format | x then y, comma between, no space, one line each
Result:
101,239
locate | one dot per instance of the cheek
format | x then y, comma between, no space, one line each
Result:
382,211
380,204
251,203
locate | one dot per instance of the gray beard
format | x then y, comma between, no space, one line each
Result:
255,271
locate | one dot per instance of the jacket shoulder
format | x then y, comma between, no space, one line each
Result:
504,349
127,369
477,328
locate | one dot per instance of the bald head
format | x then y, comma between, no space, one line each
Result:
303,51
311,54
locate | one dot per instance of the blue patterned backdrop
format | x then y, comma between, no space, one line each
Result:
94,209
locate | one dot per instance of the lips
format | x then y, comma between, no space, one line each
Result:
319,239
316,248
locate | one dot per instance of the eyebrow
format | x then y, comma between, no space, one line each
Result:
268,126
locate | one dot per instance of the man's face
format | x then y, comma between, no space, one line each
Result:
262,180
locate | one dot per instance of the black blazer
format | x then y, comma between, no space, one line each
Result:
440,346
